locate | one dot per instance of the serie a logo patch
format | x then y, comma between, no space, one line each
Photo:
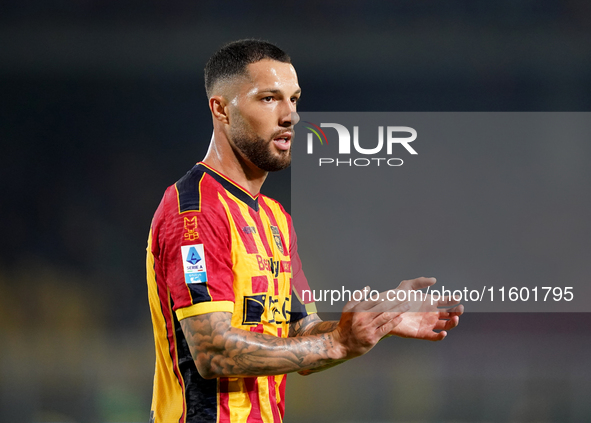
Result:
194,266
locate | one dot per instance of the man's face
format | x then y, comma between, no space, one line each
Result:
262,114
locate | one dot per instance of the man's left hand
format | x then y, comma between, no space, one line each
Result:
426,319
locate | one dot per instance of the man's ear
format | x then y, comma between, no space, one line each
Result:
219,109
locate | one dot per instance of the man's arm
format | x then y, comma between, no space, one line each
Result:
220,350
313,325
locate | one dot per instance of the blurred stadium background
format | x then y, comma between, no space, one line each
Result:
102,107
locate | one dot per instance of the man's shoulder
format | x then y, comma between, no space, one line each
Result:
196,191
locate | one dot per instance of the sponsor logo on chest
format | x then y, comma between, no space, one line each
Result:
273,266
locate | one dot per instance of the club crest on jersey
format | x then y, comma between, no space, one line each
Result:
194,267
277,238
191,229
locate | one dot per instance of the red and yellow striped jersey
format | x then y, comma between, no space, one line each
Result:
214,247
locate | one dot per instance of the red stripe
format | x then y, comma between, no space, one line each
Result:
273,222
260,284
273,399
282,393
247,239
261,230
258,328
224,404
252,389
276,283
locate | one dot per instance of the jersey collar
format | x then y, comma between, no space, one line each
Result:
232,187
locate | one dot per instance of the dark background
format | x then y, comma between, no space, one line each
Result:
102,107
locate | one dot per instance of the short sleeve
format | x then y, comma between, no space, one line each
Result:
195,255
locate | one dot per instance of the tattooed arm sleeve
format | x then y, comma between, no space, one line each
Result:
313,325
220,350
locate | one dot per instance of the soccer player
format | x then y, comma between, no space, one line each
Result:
224,275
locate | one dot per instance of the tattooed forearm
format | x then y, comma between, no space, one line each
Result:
321,327
222,350
326,325
311,325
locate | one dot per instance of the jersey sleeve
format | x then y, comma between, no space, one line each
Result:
302,303
195,254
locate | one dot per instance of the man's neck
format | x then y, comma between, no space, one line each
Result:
232,165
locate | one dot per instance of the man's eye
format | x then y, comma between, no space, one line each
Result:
268,98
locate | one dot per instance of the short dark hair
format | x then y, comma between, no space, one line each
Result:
233,58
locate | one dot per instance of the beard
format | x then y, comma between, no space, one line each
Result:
258,151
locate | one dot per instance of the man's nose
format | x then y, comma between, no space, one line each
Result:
295,118
289,116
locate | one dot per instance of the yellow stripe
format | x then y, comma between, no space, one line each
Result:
203,308
167,400
264,400
238,400
178,199
217,419
311,308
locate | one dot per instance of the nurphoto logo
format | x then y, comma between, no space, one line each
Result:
390,137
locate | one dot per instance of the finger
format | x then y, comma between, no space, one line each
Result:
390,313
458,310
437,336
445,324
383,305
417,283
387,327
382,313
452,323
444,315
389,296
358,304
432,336
396,296
454,311
365,305
383,318
448,302
350,306
440,325
449,324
